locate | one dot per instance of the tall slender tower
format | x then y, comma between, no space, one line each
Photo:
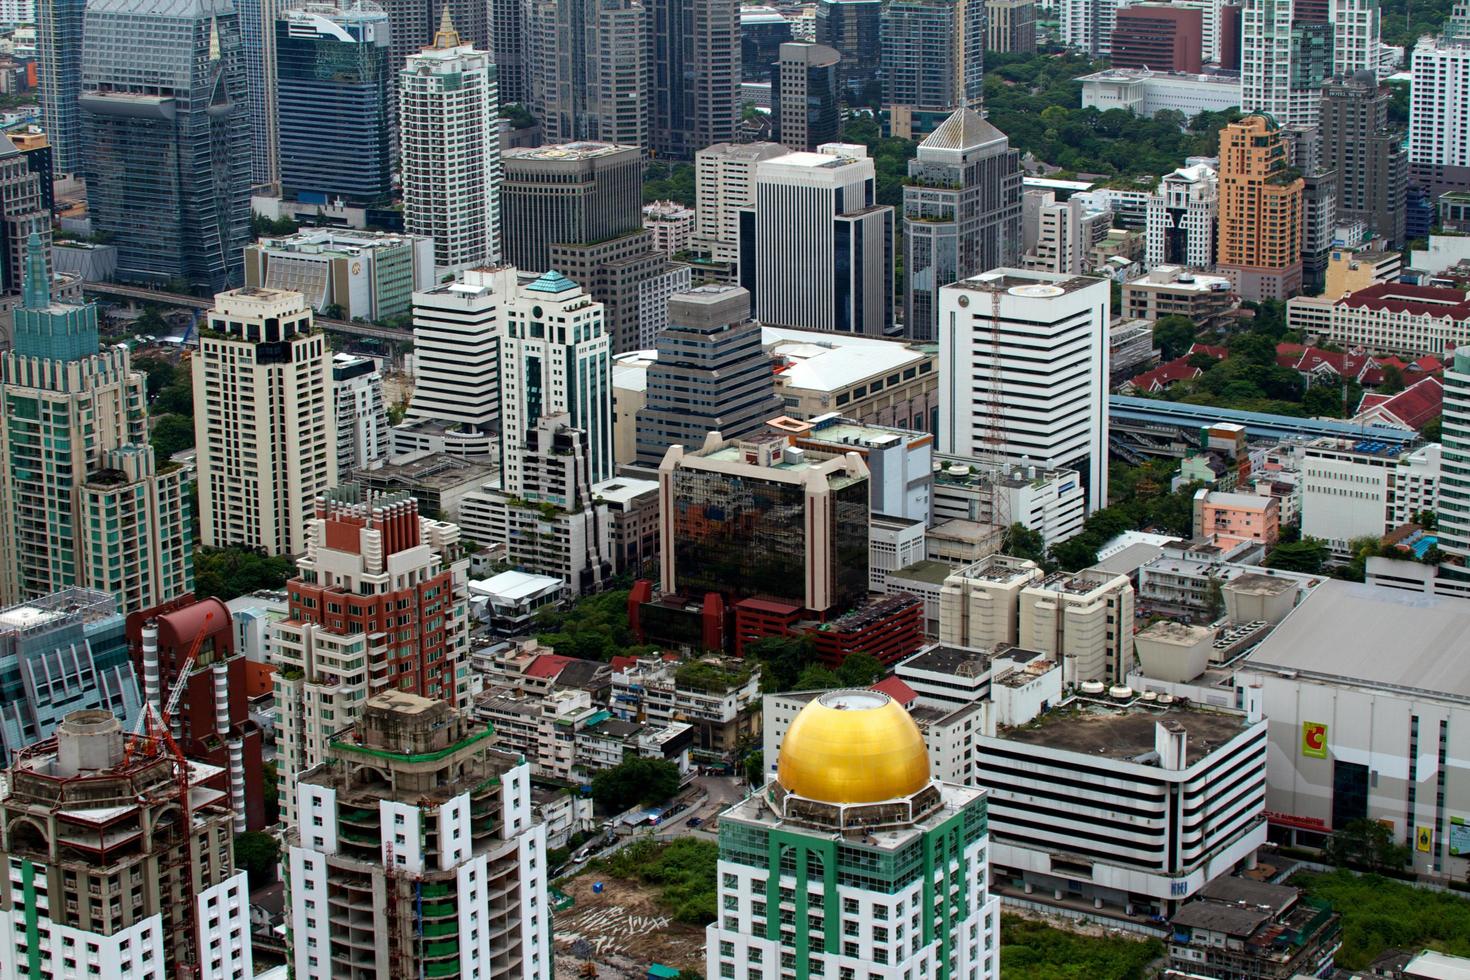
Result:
1372,166
59,75
933,61
450,160
588,70
258,54
696,75
166,123
81,500
263,422
1285,58
1439,107
1260,211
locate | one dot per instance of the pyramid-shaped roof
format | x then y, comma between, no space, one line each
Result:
551,282
963,129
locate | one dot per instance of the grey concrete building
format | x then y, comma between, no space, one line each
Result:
626,274
572,194
854,28
933,61
961,213
711,374
588,69
1011,26
804,95
1370,159
696,75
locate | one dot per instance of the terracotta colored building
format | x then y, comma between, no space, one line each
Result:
1159,37
1260,211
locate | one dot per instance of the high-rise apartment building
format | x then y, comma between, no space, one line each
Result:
422,856
816,250
264,430
696,75
150,892
1454,484
755,517
1159,37
804,95
961,213
1356,36
59,78
166,127
1183,219
82,502
61,653
589,71
712,375
854,29
1010,26
456,340
572,193
449,120
212,720
933,61
1087,25
508,42
1260,211
555,359
1439,107
1023,365
1285,58
362,416
334,90
1371,163
884,867
379,603
724,183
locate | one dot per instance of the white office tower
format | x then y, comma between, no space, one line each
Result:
1439,107
1281,73
1454,487
555,359
456,355
853,861
448,117
1023,372
417,853
724,183
1183,219
362,417
1356,35
264,428
816,250
1087,25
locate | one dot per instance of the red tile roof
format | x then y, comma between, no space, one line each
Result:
1398,297
1166,374
897,689
1429,364
1214,351
1314,360
620,664
1409,409
547,666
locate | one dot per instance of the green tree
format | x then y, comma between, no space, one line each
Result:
755,768
1308,555
150,321
1255,347
271,791
1022,542
1431,430
860,670
177,396
1366,844
1174,335
159,374
1427,519
635,781
227,573
782,660
816,678
263,227
1393,380
170,434
258,853
594,628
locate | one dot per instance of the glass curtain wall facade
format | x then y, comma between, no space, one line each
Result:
59,76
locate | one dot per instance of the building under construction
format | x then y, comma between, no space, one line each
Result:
416,853
119,861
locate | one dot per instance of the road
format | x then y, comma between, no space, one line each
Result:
194,302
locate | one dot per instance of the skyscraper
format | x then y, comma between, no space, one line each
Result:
588,68
177,908
81,500
1023,365
1356,36
1087,25
712,375
804,96
165,116
573,193
449,121
333,102
854,29
885,868
1439,107
23,213
59,77
724,183
362,418
1183,219
933,61
1286,55
508,30
1159,37
263,424
456,854
816,251
961,213
257,20
1011,26
696,75
1371,163
555,359
370,563
1454,488
1260,211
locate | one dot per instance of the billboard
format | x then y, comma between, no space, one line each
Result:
1459,837
1314,740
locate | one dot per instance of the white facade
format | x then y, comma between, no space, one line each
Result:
814,213
1266,83
1189,200
724,183
1086,619
672,225
1454,504
1356,36
1439,103
893,543
1087,25
1058,236
264,427
1023,356
362,417
555,358
456,342
1053,503
654,294
449,120
1352,490
1145,92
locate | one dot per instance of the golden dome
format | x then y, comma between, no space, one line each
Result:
853,747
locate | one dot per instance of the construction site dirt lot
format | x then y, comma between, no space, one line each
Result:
624,929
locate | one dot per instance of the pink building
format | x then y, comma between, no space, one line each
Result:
1232,518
